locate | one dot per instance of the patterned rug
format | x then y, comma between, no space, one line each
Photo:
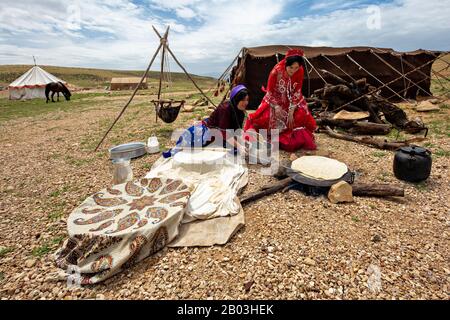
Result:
119,226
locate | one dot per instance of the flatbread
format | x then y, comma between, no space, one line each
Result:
321,168
347,115
202,161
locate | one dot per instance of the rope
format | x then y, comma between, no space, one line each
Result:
422,73
316,70
400,73
351,59
384,85
334,64
417,83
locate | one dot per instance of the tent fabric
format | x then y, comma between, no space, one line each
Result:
31,84
311,52
259,61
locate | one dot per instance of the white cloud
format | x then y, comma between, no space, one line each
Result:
185,13
205,35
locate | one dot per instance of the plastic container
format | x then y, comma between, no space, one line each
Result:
122,171
152,145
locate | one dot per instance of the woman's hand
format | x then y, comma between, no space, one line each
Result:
291,118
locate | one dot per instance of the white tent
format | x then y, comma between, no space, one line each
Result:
31,84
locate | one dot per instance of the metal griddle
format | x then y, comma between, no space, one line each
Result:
300,178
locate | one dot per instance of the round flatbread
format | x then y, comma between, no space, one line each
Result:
321,168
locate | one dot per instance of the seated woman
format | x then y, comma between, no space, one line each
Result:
228,116
284,107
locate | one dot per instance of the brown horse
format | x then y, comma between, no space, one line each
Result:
57,87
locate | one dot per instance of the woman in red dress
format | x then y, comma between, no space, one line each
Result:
284,107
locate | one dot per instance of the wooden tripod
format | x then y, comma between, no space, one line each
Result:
164,45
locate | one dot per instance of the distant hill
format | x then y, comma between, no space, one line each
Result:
87,77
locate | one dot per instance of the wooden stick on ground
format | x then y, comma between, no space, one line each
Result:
358,189
377,190
266,190
357,127
377,143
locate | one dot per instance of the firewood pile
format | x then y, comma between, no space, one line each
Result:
357,109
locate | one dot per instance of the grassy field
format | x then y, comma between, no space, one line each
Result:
89,78
84,78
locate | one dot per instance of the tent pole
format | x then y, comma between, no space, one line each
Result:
131,98
182,68
229,67
351,59
402,74
164,43
225,72
404,78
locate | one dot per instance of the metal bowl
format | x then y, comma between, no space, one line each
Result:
128,151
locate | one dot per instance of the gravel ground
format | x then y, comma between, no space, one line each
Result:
292,247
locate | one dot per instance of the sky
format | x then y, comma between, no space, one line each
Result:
206,35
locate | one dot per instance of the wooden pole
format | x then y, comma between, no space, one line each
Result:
189,76
184,70
164,44
132,96
358,189
267,191
163,40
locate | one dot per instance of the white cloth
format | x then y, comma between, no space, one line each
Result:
215,190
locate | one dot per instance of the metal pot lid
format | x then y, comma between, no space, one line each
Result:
128,147
128,150
412,150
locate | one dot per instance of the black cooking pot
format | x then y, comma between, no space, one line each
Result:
412,163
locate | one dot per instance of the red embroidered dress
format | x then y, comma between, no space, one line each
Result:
284,92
